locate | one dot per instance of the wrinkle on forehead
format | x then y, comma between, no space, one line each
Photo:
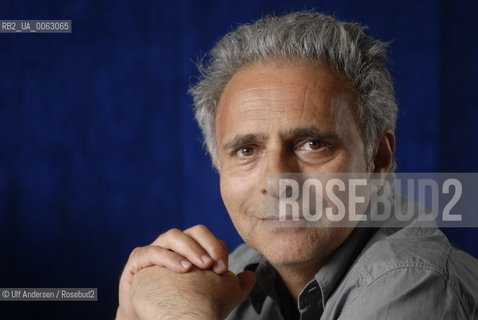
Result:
300,103
251,97
258,92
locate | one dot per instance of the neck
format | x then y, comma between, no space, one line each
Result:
296,276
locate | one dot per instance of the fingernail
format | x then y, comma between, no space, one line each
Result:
185,264
206,259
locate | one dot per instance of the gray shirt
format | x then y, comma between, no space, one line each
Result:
389,272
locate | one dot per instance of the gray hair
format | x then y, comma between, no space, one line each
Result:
308,36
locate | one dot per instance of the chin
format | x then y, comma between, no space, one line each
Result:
290,260
293,246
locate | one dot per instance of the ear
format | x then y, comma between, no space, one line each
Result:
383,153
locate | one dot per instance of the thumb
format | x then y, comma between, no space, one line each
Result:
247,279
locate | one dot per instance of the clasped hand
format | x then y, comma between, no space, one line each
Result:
181,275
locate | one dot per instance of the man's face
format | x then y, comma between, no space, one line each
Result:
283,117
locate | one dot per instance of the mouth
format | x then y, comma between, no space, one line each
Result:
284,222
286,217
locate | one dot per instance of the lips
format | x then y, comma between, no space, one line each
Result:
284,218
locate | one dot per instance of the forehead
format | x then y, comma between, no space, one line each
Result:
282,95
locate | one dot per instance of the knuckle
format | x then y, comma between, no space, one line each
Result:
200,228
134,253
140,252
217,251
159,236
223,243
171,233
152,250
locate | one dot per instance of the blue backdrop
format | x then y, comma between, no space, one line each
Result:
99,152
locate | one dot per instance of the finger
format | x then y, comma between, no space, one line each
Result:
143,257
216,249
183,244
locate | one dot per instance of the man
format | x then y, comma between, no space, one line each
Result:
301,93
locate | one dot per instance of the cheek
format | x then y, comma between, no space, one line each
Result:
237,194
348,160
357,162
342,162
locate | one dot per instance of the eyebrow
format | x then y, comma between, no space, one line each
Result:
241,140
298,133
308,132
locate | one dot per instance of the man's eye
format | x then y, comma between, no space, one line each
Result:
312,145
245,151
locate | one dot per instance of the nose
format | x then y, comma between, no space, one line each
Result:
278,164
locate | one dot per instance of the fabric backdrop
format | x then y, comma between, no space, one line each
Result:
99,152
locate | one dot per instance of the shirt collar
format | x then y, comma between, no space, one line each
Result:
337,265
266,277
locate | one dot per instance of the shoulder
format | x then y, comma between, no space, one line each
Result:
422,248
416,262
